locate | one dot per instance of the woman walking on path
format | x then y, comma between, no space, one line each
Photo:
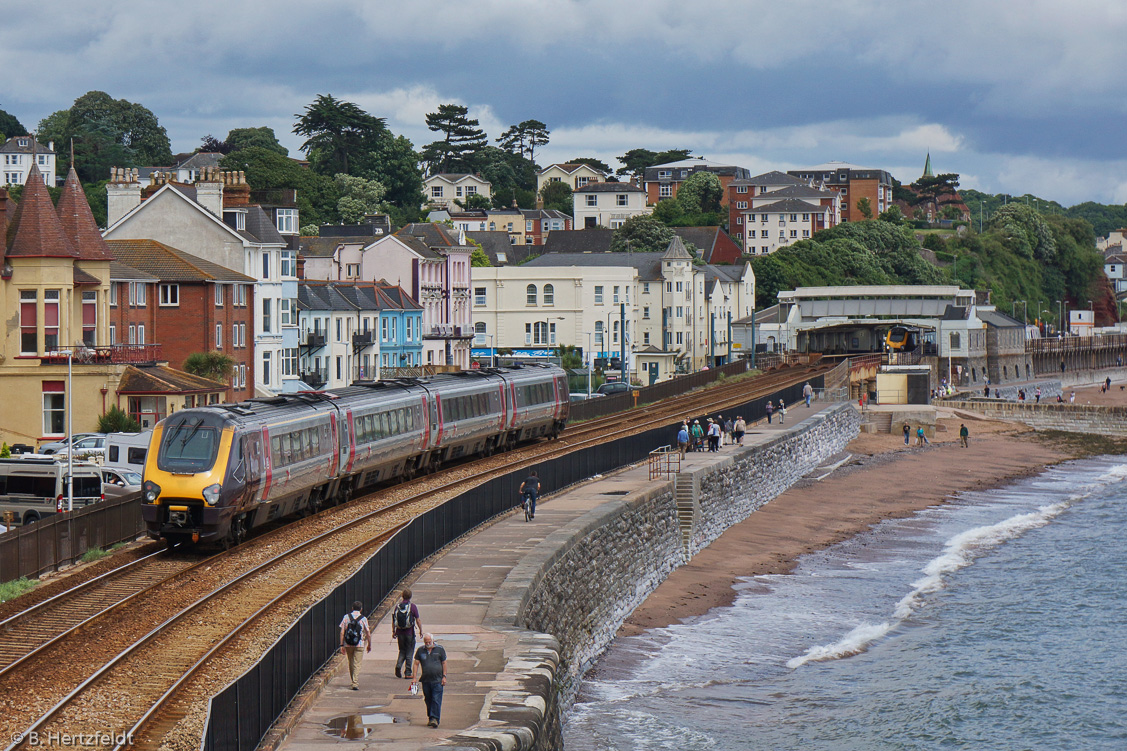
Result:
782,412
770,411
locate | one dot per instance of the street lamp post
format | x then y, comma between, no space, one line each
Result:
981,205
590,363
70,428
1060,317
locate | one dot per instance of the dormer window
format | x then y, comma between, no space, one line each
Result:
236,219
286,220
24,142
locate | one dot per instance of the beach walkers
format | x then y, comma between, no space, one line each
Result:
770,411
697,433
683,439
807,393
404,620
907,433
738,430
713,436
1037,395
963,435
782,412
354,632
727,427
921,439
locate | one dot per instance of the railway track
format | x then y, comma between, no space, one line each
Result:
129,691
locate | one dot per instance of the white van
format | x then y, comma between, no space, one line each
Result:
127,450
35,487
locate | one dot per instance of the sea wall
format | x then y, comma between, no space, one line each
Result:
1073,418
584,579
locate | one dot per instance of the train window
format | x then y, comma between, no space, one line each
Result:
307,451
410,418
315,438
398,421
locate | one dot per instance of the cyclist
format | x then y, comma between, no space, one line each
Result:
529,491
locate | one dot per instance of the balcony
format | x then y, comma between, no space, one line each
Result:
113,354
315,378
447,331
314,339
363,340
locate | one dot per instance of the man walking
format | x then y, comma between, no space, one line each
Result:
430,667
404,620
353,630
683,439
530,491
807,393
713,436
738,430
907,432
963,435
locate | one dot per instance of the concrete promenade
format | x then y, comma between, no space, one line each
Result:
453,595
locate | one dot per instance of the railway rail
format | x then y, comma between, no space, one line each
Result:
126,689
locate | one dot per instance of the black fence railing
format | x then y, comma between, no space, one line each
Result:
241,714
62,539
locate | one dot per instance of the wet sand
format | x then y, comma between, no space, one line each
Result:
884,479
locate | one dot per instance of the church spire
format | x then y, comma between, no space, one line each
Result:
927,167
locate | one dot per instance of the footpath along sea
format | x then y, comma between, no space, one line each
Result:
996,621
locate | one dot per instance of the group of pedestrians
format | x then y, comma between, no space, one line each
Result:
424,666
716,432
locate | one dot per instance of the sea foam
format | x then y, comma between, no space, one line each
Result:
958,552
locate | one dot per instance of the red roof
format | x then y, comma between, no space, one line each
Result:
78,222
35,230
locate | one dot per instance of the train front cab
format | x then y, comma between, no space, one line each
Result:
183,498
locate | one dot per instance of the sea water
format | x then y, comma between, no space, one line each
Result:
996,621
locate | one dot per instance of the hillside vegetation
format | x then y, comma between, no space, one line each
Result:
1020,255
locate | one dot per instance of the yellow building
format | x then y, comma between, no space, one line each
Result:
54,285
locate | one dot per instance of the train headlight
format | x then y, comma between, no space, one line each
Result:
211,494
151,491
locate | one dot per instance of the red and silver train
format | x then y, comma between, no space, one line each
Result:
214,473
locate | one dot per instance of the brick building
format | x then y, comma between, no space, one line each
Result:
852,183
188,304
662,181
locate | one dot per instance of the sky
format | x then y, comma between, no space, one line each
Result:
1016,97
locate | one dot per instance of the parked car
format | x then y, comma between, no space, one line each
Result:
582,396
54,446
118,482
86,448
615,387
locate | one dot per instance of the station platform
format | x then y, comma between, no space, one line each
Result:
453,595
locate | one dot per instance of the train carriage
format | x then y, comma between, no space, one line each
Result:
218,471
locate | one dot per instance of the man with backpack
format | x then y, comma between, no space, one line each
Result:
404,620
353,630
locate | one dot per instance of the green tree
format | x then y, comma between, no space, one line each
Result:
475,201
701,192
478,257
557,196
392,161
931,188
209,144
462,139
642,233
317,195
951,212
359,197
635,161
263,137
892,214
336,132
214,365
106,133
525,138
10,126
591,161
117,421
865,206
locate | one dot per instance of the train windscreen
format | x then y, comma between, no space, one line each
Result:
190,443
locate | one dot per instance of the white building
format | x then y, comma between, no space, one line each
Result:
1115,269
20,152
577,175
214,219
607,204
676,312
443,189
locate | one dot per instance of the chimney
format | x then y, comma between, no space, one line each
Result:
209,191
236,191
123,193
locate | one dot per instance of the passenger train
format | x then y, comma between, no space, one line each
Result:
214,473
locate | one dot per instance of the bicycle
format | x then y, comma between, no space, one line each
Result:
524,504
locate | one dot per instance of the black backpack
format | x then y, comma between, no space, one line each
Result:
403,616
353,632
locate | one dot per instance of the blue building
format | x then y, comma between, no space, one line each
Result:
401,334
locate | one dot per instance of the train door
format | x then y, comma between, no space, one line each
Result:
348,442
338,440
